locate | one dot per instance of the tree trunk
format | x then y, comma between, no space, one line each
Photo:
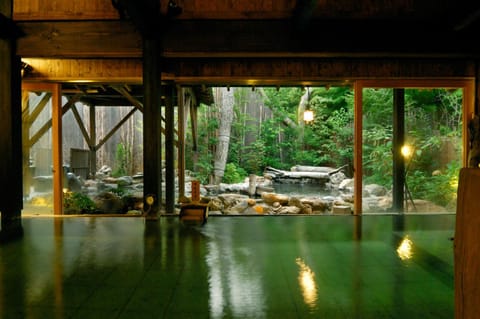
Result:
302,106
226,117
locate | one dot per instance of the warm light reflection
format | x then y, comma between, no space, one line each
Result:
407,151
41,201
306,280
404,250
308,116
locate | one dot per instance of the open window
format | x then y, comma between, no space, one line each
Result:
411,139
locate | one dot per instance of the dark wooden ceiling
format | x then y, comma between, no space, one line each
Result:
216,38
252,28
311,26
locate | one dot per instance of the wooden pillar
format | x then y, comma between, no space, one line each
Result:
11,203
466,245
398,141
92,156
26,124
476,88
181,142
152,137
357,150
170,151
471,102
57,149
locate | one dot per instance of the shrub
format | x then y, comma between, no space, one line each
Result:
233,174
75,203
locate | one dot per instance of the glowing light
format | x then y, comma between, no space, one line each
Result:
149,200
404,250
306,280
308,116
406,151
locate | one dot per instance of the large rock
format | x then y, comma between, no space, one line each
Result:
341,209
230,200
317,204
270,198
375,190
109,203
74,182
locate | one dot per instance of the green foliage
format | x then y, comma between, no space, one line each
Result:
279,140
278,146
233,174
331,134
76,203
377,156
204,168
433,126
284,100
439,188
254,157
377,107
119,191
120,161
200,160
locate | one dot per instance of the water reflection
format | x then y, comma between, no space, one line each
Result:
357,227
404,250
306,280
307,189
229,268
235,282
57,250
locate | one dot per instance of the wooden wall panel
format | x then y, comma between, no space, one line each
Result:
63,10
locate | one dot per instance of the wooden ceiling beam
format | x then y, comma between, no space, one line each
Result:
248,38
309,71
80,39
243,71
136,103
84,70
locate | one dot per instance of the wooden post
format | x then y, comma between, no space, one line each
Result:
152,139
466,245
26,124
181,142
57,149
398,142
11,202
252,184
169,151
357,150
92,145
